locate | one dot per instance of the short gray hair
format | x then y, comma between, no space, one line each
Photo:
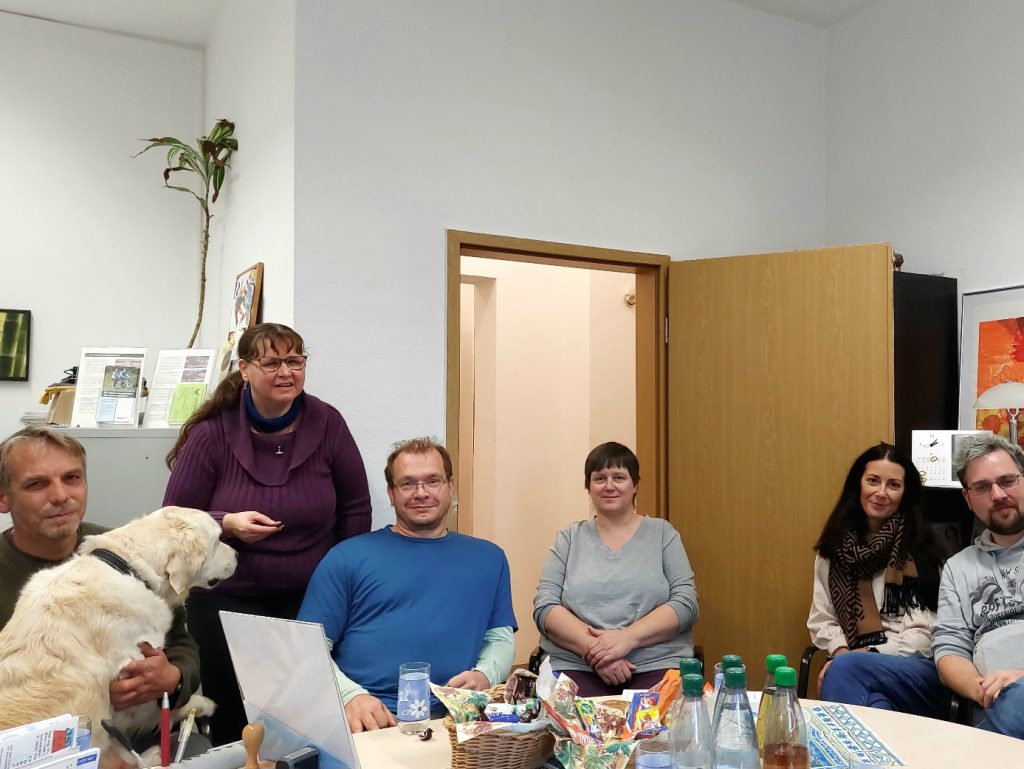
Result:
41,434
975,446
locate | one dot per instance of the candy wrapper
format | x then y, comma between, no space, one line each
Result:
520,686
576,743
466,707
463,704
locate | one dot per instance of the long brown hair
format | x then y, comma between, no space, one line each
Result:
255,341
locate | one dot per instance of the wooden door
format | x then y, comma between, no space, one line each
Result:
779,374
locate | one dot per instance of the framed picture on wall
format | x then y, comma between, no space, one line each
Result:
245,304
991,354
15,342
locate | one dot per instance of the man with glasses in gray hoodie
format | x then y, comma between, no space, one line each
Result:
978,641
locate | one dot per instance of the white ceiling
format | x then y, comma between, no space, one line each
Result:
820,13
186,22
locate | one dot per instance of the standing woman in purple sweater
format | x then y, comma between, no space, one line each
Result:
279,470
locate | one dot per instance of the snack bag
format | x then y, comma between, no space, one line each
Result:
668,689
642,717
588,715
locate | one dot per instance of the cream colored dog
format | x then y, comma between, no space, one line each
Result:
77,625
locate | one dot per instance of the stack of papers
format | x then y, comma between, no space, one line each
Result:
49,744
31,417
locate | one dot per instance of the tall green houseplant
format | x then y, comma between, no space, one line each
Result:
209,161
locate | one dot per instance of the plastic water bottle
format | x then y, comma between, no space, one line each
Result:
728,661
771,663
785,733
690,736
735,733
686,665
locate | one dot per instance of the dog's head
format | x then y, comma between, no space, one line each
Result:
174,549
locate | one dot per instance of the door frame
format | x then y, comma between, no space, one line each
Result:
651,271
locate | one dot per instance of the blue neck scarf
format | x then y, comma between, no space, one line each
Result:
267,425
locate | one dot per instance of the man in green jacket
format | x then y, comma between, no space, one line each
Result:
44,489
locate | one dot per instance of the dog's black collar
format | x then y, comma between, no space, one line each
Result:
117,563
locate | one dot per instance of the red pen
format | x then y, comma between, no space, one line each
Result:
165,732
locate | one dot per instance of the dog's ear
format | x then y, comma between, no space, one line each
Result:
181,568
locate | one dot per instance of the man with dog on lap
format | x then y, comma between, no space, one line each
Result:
44,489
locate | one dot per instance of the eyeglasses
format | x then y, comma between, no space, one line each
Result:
409,486
272,365
981,488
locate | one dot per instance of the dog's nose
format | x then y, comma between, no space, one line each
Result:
212,582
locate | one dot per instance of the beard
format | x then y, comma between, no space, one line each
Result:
1013,525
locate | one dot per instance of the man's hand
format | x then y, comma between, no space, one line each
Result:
144,680
994,682
249,526
616,672
611,645
470,679
366,713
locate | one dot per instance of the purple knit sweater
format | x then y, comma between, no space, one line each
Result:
316,487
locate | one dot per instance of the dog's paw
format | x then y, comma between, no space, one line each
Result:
204,707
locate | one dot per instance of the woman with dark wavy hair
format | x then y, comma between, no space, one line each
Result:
280,472
876,588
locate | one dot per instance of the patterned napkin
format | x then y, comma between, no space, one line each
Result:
834,734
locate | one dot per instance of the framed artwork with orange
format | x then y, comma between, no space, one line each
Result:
991,353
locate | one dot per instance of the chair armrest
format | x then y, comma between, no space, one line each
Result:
805,669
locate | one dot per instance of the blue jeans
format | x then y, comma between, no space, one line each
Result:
1006,716
887,681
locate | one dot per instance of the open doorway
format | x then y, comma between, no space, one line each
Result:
555,355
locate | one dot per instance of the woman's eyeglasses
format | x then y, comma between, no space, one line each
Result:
272,365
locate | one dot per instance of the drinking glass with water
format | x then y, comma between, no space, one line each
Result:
413,697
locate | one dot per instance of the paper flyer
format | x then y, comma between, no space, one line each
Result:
109,387
181,383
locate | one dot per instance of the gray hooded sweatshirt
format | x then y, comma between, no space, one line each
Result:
981,606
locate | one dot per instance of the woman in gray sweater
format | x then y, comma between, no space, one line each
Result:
616,601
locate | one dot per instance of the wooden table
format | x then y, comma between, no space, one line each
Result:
922,743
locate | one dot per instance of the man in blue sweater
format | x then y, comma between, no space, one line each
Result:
414,591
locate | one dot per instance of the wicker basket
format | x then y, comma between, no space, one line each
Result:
503,749
506,750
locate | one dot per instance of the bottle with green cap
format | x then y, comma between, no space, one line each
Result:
689,738
734,731
728,661
771,663
687,665
785,733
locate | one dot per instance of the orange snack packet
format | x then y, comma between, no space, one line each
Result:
668,689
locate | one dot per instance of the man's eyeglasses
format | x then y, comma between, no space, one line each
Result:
409,486
272,365
981,488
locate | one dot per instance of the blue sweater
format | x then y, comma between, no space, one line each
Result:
385,599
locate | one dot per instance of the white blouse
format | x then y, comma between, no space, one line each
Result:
909,634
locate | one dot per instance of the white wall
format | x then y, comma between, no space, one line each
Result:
92,243
250,80
925,127
688,127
